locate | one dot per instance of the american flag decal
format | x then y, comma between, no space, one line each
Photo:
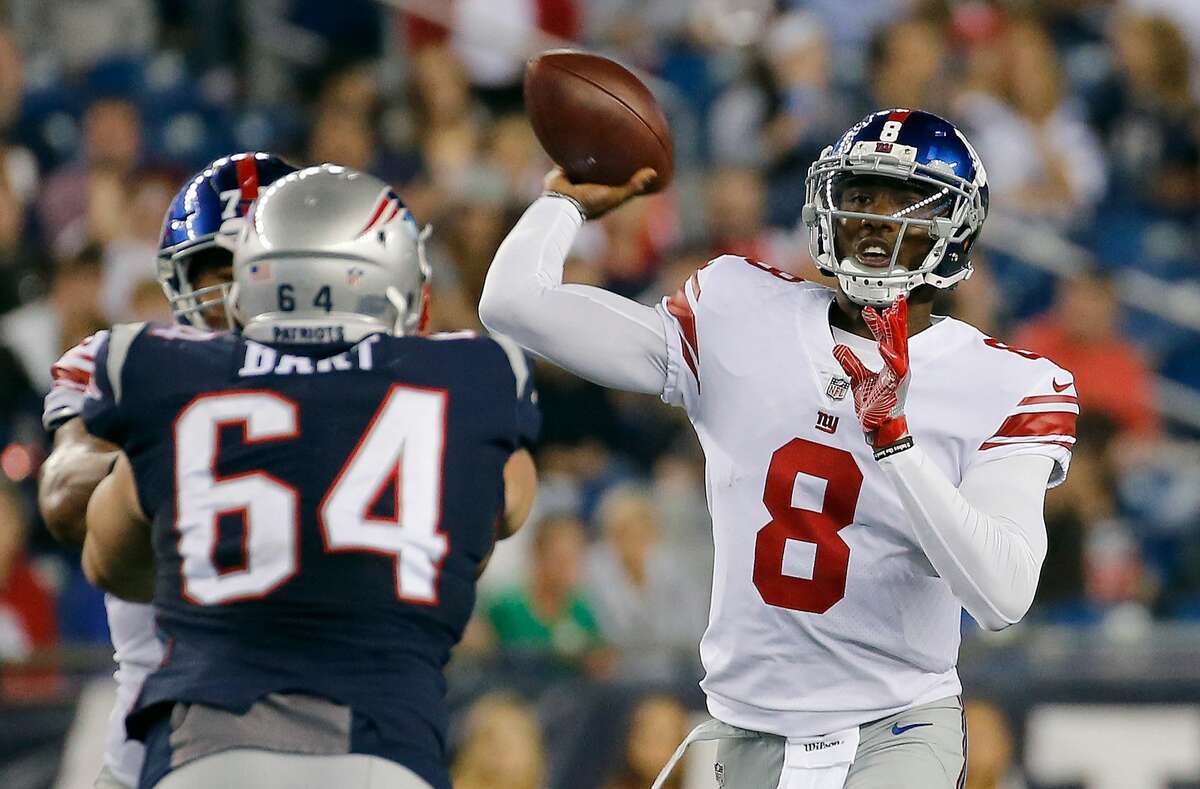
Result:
260,272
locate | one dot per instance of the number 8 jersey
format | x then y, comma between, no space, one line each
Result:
826,613
319,517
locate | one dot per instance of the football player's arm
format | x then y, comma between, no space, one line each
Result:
595,334
117,553
69,476
520,485
987,537
79,460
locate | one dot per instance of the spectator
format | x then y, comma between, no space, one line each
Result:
1081,333
631,248
19,265
344,138
27,616
130,253
1149,117
146,303
513,152
494,38
20,403
641,29
647,608
112,149
41,330
784,111
352,91
658,724
441,95
474,224
84,33
907,66
1043,161
1084,501
501,746
737,216
990,748
549,617
12,80
18,168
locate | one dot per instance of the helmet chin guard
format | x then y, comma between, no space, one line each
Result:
921,151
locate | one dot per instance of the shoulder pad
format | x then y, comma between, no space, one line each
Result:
120,339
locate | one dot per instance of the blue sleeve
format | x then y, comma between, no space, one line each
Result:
102,411
106,404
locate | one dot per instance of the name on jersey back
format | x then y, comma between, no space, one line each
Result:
265,360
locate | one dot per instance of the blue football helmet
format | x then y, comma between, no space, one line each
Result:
205,219
930,155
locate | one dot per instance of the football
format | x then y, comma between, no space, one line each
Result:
595,119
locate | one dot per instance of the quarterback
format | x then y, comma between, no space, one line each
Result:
842,565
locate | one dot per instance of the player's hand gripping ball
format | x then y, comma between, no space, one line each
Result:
596,120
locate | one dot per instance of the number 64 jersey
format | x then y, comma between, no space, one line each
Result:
826,613
319,517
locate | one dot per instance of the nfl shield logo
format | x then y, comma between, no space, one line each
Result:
837,388
354,276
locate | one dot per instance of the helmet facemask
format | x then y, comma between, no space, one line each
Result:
178,271
947,208
197,306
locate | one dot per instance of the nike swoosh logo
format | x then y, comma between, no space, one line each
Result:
898,729
1061,387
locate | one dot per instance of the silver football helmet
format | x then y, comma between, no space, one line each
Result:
329,254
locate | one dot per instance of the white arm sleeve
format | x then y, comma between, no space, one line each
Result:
591,332
986,538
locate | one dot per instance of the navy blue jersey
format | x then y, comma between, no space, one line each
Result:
319,519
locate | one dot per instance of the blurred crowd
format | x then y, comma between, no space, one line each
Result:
1083,111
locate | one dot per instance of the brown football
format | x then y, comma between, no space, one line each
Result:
595,119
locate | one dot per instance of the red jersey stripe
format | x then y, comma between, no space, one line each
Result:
681,309
695,280
773,271
690,359
1039,399
1047,423
994,444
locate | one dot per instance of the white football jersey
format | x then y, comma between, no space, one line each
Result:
137,652
826,613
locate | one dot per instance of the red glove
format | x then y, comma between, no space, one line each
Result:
879,397
72,375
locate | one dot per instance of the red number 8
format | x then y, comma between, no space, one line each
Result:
843,483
